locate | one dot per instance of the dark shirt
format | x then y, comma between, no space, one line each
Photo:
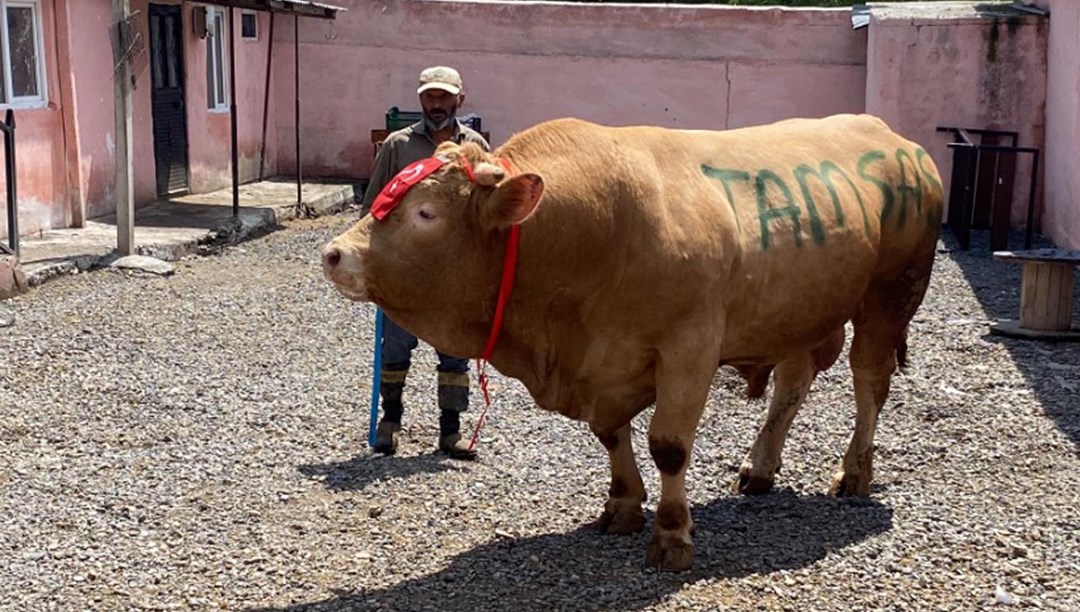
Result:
407,146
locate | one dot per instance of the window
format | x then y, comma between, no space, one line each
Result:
23,81
217,65
249,25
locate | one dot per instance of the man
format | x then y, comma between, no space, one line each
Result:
441,95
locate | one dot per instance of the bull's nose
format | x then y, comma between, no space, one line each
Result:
342,266
331,257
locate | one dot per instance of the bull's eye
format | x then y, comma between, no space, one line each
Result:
426,214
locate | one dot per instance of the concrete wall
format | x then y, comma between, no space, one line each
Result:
1061,220
209,130
67,149
40,149
91,107
699,67
692,67
209,161
954,67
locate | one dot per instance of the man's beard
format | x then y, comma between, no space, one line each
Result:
434,125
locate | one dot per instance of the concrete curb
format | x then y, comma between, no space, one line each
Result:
252,223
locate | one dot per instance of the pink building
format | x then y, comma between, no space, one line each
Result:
58,79
918,66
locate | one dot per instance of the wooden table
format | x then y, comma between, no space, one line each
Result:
1046,295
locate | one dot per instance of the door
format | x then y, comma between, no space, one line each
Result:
167,99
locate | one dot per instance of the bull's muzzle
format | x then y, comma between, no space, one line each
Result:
341,266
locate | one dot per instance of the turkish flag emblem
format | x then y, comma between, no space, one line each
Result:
392,194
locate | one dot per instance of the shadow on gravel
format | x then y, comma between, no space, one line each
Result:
358,472
584,570
1051,368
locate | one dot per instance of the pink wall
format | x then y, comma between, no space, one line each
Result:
208,130
90,56
67,150
1061,220
209,161
40,148
925,71
704,67
679,66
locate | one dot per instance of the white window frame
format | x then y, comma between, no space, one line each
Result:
216,43
255,14
42,99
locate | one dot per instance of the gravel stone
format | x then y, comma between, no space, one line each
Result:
198,442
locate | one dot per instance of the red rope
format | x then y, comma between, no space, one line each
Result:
467,166
506,284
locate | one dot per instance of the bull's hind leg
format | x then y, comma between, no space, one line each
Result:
792,381
622,511
878,333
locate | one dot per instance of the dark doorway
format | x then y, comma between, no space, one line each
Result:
167,99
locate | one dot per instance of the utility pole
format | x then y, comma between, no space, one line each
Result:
125,187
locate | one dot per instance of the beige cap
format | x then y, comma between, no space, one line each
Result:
440,77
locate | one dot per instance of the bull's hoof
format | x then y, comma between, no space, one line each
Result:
850,485
748,484
669,553
620,523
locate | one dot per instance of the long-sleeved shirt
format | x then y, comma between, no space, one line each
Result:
406,146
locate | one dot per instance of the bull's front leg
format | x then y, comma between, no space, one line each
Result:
622,511
682,389
758,471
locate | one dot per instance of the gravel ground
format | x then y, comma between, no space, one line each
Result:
197,442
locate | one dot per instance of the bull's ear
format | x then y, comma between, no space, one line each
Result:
513,201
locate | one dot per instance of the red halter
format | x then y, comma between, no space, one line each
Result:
392,195
506,285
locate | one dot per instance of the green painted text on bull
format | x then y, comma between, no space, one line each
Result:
770,188
724,176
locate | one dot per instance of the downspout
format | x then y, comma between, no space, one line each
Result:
232,118
266,95
296,76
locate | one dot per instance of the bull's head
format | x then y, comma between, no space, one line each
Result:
434,253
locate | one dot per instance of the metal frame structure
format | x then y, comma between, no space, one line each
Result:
298,9
981,194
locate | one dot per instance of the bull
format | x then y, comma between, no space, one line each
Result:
649,258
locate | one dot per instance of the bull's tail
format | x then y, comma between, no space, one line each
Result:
901,351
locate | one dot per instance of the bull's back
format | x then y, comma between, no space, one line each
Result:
783,226
816,211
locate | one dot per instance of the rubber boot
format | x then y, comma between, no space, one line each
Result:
453,400
389,430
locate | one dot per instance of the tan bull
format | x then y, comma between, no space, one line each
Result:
649,257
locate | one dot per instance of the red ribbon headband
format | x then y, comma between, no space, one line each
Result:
394,191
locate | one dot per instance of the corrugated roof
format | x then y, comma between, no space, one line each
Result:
860,16
305,8
939,10
953,10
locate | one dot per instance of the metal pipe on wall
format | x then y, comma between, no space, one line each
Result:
10,174
296,76
232,117
266,94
